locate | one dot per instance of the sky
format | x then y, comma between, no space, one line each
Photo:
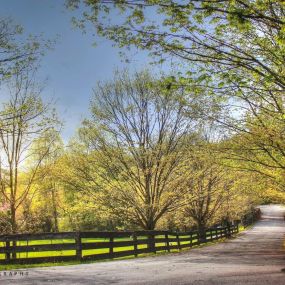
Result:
74,66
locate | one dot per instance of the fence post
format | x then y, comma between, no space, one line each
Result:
198,238
178,241
211,233
135,239
229,229
7,248
191,239
111,249
14,253
78,245
167,242
151,242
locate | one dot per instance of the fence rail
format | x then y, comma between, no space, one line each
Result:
68,246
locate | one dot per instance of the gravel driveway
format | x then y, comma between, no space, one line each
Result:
256,256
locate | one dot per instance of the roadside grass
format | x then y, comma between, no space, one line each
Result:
91,251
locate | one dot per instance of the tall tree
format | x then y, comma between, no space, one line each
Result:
24,118
49,146
139,127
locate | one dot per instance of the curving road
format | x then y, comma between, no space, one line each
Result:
256,256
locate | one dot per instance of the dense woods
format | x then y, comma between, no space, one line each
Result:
191,149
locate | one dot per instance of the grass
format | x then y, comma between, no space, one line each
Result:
88,252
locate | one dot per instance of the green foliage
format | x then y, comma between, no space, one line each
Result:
145,159
137,131
235,53
17,53
25,120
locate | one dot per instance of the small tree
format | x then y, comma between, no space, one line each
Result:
49,146
208,188
23,118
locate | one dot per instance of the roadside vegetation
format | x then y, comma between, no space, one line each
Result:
199,147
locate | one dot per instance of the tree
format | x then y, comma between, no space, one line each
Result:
49,146
24,118
240,35
138,131
16,54
207,187
85,199
260,148
235,53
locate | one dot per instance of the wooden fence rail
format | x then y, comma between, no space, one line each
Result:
68,246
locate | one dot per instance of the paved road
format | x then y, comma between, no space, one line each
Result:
256,257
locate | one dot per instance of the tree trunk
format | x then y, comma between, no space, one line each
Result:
13,220
202,231
54,208
13,226
150,226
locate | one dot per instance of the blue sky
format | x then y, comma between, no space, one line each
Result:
74,66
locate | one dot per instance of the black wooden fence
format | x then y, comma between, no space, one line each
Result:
68,246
